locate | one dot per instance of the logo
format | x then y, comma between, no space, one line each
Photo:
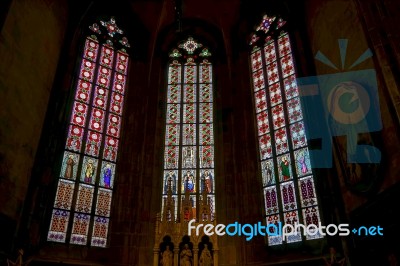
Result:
287,230
341,104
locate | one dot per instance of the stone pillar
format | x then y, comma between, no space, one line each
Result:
176,256
156,256
215,257
195,256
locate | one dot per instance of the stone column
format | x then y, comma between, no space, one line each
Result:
156,256
195,256
215,257
176,256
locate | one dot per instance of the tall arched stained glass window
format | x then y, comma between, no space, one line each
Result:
81,211
189,134
287,176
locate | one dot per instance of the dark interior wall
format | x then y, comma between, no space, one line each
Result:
333,20
366,25
30,44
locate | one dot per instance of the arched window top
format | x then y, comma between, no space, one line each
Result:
269,28
110,33
190,50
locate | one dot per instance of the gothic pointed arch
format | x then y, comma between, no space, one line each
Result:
287,175
189,133
82,205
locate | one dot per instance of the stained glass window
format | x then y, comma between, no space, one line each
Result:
81,211
189,132
287,176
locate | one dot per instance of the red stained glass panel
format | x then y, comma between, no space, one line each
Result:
284,45
261,100
174,73
114,124
122,62
206,93
265,146
74,139
119,83
100,97
256,61
206,113
291,89
110,149
107,56
116,103
272,73
103,77
189,93
93,143
206,134
83,91
79,114
87,70
287,65
85,198
205,73
173,113
281,141
171,158
97,120
65,192
269,52
275,94
258,80
174,93
190,73
262,122
100,231
103,202
278,116
91,49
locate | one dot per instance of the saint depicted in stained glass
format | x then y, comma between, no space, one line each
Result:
188,182
268,173
89,171
303,166
207,182
285,168
107,176
170,179
70,167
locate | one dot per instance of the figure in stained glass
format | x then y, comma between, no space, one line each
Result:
107,174
70,167
207,182
302,162
285,168
170,177
89,171
189,182
268,173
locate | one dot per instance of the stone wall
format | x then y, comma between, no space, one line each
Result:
30,44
